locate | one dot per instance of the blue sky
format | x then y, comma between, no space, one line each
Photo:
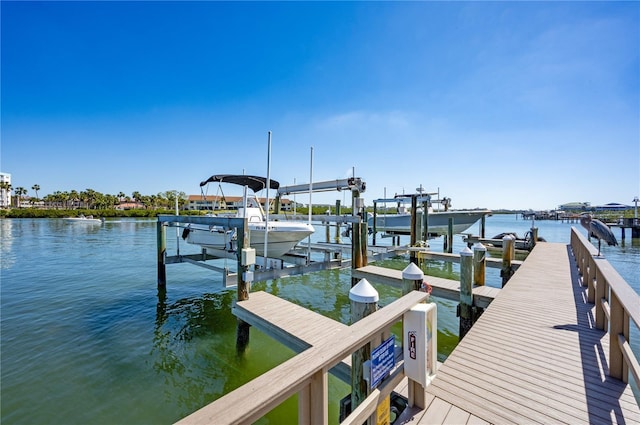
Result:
497,104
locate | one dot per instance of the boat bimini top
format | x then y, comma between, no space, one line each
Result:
255,183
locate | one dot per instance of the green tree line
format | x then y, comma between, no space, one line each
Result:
90,199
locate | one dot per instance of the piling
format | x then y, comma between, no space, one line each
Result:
337,240
465,308
413,238
483,222
450,236
424,235
244,287
364,260
162,253
479,264
357,258
412,278
327,229
508,252
364,301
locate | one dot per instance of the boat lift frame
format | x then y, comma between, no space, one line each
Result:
333,252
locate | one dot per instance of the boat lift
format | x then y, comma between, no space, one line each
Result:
332,258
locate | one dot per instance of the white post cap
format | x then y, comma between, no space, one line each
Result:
412,272
466,252
479,247
363,292
508,238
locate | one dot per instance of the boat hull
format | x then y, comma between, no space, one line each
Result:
280,239
437,222
82,220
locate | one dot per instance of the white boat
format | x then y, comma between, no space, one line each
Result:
281,236
83,219
437,221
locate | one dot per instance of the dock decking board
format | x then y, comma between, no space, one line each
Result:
534,355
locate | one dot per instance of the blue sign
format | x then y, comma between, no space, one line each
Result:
383,360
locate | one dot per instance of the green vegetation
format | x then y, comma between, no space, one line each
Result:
89,201
60,213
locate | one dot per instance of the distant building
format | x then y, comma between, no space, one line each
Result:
575,206
221,203
5,195
612,206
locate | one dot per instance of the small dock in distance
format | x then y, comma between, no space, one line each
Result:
442,288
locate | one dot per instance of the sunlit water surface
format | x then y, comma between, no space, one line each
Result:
87,338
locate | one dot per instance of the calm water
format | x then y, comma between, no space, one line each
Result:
87,338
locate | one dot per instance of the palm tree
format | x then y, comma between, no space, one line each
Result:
36,188
74,197
19,192
89,196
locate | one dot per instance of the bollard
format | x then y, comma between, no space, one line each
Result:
412,278
465,308
364,301
479,263
508,251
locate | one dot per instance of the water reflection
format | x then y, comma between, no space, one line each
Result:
7,259
190,348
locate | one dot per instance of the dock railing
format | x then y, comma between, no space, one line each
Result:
616,305
307,375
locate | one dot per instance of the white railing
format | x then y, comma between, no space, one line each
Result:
615,304
307,375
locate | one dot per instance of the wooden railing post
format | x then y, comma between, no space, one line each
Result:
616,362
588,277
625,333
600,294
313,400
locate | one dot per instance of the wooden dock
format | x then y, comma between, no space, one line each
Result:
443,288
272,315
534,356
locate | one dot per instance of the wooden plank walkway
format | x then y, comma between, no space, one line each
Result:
274,316
443,288
534,356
